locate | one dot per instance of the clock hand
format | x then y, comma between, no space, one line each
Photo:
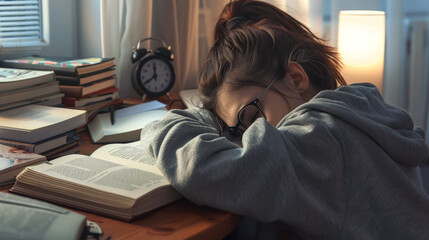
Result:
154,76
154,72
150,79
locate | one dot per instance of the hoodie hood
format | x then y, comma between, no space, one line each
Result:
390,127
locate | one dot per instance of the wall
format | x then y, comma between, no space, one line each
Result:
89,28
62,24
59,29
416,73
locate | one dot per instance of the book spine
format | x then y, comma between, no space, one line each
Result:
25,146
69,101
69,82
71,91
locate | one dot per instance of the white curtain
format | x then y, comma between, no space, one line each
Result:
406,77
309,12
395,42
182,24
415,91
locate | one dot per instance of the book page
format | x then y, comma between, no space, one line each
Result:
130,154
104,175
127,124
139,108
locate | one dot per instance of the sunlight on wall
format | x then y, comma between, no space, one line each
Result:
309,12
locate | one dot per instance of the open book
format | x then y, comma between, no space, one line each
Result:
128,122
117,180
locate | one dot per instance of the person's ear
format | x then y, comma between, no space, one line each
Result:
298,77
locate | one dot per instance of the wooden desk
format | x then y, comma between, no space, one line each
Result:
178,220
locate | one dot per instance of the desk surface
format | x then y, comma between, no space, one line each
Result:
178,220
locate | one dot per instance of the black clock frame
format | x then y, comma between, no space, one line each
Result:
139,86
141,56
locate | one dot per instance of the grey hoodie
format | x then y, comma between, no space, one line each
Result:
342,166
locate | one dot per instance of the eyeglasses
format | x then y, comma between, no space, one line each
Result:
248,114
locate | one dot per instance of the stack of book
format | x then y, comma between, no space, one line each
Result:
19,87
88,84
46,130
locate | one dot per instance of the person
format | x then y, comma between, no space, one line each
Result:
283,141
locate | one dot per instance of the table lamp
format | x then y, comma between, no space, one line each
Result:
361,41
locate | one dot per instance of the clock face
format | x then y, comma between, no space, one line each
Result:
156,76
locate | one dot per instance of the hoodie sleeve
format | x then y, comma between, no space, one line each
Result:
275,175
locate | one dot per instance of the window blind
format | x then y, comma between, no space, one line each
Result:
20,23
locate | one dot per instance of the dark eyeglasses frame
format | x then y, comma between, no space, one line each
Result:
237,131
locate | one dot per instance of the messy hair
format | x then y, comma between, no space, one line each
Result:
254,41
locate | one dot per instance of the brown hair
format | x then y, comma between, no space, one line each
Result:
253,42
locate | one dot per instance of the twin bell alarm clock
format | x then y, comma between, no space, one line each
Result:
153,72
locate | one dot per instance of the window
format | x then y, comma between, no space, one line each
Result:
57,34
20,23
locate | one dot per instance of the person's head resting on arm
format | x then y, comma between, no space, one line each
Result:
263,63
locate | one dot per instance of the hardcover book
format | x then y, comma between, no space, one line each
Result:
117,180
85,79
44,145
87,89
14,160
60,65
110,93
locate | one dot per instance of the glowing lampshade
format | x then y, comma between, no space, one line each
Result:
361,41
